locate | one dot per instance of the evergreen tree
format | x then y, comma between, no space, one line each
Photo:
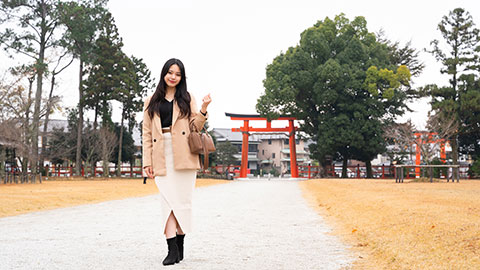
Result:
469,113
105,77
342,82
127,147
135,81
461,39
224,155
82,20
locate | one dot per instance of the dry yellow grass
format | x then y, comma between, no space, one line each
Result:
18,199
403,226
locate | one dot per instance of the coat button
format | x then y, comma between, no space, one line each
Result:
154,140
183,132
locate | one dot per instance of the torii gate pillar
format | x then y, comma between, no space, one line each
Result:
293,149
244,165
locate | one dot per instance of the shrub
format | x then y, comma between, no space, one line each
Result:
475,168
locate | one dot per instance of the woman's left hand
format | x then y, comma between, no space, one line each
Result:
206,100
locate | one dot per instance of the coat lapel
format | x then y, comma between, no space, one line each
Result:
175,112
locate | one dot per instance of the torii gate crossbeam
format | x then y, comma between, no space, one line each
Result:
245,133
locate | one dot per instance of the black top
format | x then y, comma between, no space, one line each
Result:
166,113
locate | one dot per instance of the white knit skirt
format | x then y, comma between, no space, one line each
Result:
176,190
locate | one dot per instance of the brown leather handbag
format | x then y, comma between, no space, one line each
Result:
201,143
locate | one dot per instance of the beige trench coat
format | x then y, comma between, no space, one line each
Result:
152,138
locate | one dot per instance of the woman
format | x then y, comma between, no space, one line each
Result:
167,117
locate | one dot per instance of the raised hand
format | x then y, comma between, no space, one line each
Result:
206,100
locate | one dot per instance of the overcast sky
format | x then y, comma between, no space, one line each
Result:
226,45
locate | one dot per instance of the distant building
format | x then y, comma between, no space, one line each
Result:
235,138
266,152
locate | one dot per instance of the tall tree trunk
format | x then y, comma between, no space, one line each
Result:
95,125
132,160
454,144
95,122
40,68
27,131
105,156
323,169
36,111
24,164
2,162
93,167
120,141
344,166
27,110
47,118
78,157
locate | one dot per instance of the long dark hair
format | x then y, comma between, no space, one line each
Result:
182,97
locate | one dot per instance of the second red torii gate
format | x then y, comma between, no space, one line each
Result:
245,132
419,141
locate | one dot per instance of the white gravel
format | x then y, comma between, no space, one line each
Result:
241,225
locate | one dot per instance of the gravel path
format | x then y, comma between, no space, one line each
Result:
240,225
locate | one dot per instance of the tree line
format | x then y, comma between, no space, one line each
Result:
349,86
52,35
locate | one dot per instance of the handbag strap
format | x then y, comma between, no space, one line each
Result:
194,128
205,158
204,162
205,153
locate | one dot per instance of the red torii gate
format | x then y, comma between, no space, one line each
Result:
246,129
420,141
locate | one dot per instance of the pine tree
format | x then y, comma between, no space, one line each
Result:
135,81
82,21
460,38
38,23
105,79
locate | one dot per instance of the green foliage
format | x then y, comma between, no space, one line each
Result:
106,71
224,153
82,21
136,81
403,55
37,21
340,81
437,171
459,101
382,83
128,146
475,169
274,172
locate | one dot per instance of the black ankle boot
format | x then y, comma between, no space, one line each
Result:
180,245
172,256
